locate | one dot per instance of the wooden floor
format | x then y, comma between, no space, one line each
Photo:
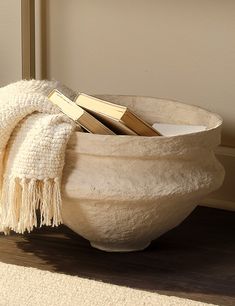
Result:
196,260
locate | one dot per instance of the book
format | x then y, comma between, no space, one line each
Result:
117,117
167,129
78,114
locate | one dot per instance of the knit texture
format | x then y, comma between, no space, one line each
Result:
33,139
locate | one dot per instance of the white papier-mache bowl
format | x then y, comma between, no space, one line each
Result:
122,192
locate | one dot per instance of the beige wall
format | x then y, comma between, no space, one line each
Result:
10,44
183,50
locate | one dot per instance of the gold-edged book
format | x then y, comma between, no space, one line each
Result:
117,117
78,114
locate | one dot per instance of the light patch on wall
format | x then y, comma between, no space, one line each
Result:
10,47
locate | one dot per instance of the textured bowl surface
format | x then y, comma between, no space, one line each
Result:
121,192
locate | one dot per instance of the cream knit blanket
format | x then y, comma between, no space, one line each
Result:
33,139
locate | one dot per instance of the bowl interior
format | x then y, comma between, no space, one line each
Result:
152,110
164,111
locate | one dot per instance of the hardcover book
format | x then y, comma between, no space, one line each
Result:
117,117
78,114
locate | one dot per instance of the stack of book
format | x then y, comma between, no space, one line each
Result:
101,117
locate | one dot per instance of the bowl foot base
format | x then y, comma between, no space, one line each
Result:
109,247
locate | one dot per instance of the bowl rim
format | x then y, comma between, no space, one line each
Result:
216,116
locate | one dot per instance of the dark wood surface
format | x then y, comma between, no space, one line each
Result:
196,260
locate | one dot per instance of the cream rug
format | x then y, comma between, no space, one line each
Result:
31,287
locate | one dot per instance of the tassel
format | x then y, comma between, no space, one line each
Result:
56,203
20,200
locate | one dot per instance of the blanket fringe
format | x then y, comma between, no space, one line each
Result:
22,197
